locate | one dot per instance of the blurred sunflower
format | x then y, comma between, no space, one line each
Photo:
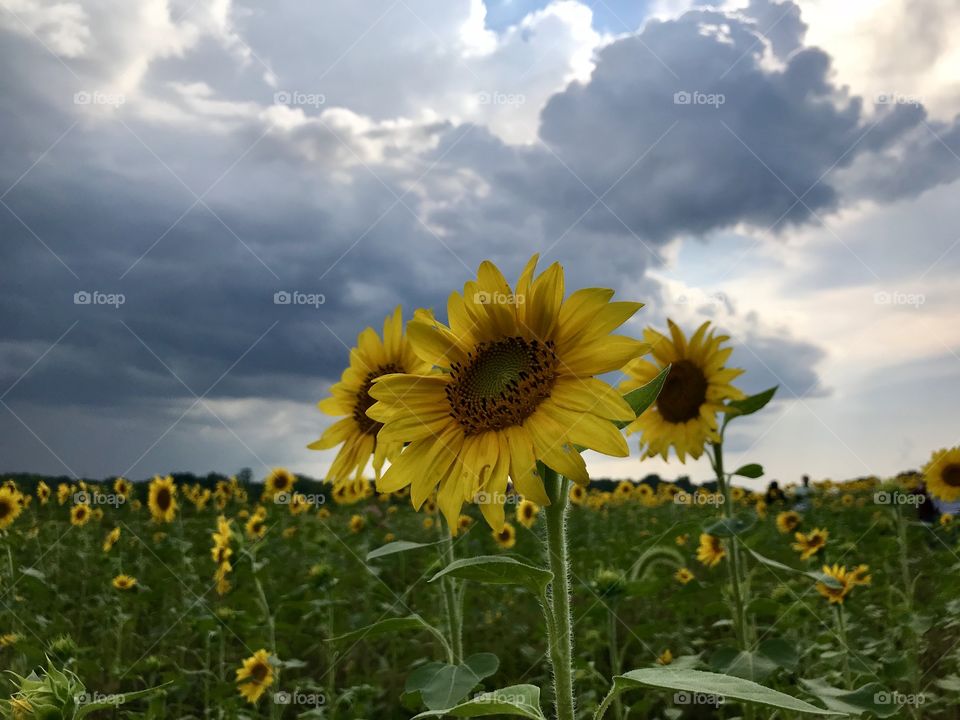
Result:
9,640
280,480
63,493
788,521
357,523
506,536
527,512
43,492
859,576
80,515
811,543
685,414
256,526
464,522
255,676
124,582
356,431
624,490
578,494
942,474
946,520
665,658
162,499
122,487
517,384
10,507
681,540
711,551
111,539
428,523
683,576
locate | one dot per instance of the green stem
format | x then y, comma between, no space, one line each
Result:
908,594
561,636
842,630
268,618
454,617
614,661
602,710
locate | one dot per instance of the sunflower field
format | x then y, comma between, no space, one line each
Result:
458,561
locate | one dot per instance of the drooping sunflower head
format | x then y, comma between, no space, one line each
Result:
809,544
111,539
162,499
255,676
788,521
516,383
506,536
373,357
256,525
711,550
10,506
942,474
699,384
839,586
527,513
124,582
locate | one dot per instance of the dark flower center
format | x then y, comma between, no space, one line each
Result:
259,672
5,509
951,475
683,393
163,498
368,425
501,383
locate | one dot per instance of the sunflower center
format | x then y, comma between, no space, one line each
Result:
951,475
501,384
683,393
368,425
259,672
163,498
5,509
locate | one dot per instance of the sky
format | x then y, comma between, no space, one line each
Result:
788,170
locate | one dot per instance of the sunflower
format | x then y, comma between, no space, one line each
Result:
162,499
80,515
788,521
942,474
624,490
578,494
256,526
464,522
527,513
357,523
665,658
681,539
122,487
255,676
124,582
9,639
685,414
711,551
323,513
843,583
517,385
809,544
111,539
356,431
683,576
43,492
299,504
506,536
847,500
946,520
859,576
280,480
10,507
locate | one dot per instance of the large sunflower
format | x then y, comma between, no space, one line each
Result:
162,499
255,676
10,507
942,474
369,360
517,385
685,414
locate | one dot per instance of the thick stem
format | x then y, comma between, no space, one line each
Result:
452,607
842,629
561,622
614,661
268,618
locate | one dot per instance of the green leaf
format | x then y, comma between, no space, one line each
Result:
780,652
871,698
516,700
442,686
725,687
498,570
114,701
397,546
742,663
753,470
728,527
818,576
749,405
389,626
643,397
